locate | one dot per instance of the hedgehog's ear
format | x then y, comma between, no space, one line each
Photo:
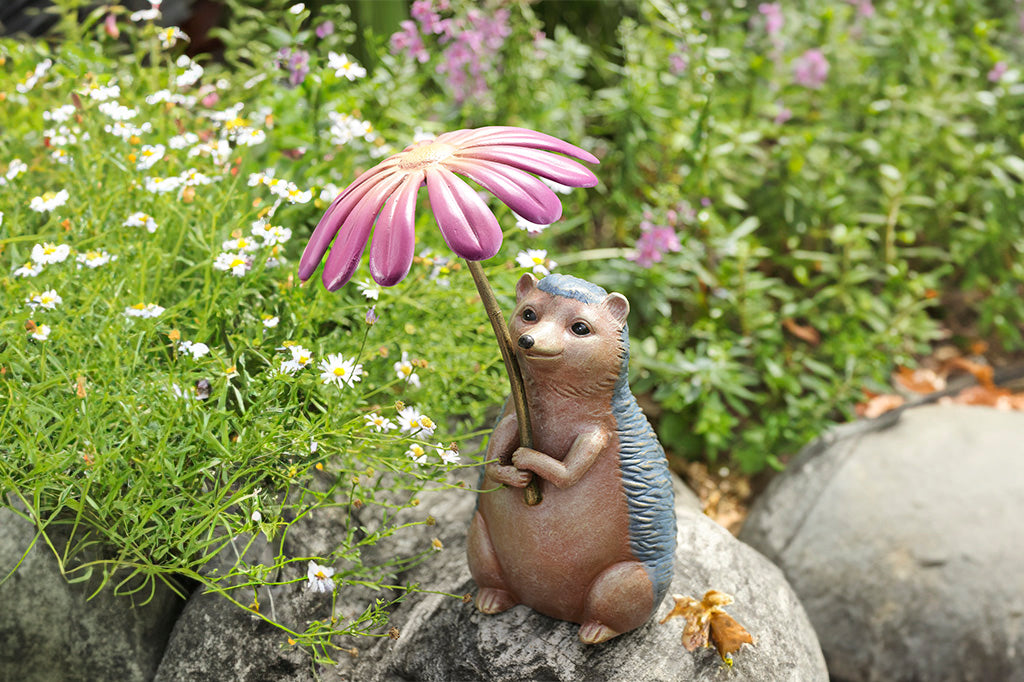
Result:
524,286
617,306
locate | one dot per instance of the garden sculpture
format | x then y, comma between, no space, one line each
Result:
598,548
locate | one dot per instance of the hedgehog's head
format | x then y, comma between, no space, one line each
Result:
568,329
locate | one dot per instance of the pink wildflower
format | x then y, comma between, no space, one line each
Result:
996,74
773,19
325,29
500,159
654,242
811,69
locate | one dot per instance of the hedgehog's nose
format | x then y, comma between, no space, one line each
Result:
526,341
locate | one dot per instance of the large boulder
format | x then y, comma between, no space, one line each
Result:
444,638
905,545
51,629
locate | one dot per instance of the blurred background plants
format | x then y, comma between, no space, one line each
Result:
795,198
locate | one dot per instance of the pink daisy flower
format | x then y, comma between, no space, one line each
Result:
503,160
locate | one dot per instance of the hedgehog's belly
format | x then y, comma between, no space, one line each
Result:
551,553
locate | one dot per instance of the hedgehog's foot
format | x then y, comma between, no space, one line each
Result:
620,599
493,596
593,632
491,600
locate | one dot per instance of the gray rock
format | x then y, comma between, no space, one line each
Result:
905,545
54,630
444,638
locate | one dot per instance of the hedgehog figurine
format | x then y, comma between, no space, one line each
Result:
598,549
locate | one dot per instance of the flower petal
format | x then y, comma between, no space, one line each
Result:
467,225
355,231
334,216
550,166
520,191
524,137
394,237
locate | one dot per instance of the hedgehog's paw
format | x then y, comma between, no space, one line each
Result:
594,632
491,600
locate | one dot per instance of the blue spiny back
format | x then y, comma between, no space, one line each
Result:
645,475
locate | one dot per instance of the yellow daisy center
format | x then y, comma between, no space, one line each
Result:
428,154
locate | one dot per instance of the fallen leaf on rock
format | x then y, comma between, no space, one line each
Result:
728,635
707,624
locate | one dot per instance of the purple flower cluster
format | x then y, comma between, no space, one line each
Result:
296,62
811,69
773,19
471,44
655,240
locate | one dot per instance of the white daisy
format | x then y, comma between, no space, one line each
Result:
140,219
270,321
237,263
162,185
249,137
196,350
49,201
448,455
49,299
379,423
184,140
404,370
417,453
170,36
143,310
344,67
536,259
411,420
149,155
41,333
320,578
370,290
29,269
335,369
48,253
94,259
15,168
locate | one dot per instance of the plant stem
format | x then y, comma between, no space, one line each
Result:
531,494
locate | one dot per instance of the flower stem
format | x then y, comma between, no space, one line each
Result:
531,494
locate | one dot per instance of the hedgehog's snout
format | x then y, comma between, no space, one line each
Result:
526,341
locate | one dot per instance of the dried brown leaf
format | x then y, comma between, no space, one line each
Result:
802,331
707,623
982,373
921,380
986,396
728,635
879,405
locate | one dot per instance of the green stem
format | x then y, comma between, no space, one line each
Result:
531,494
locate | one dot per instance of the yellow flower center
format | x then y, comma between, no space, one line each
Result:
339,371
406,369
49,249
417,157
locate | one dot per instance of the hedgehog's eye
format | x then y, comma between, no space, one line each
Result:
580,329
529,315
